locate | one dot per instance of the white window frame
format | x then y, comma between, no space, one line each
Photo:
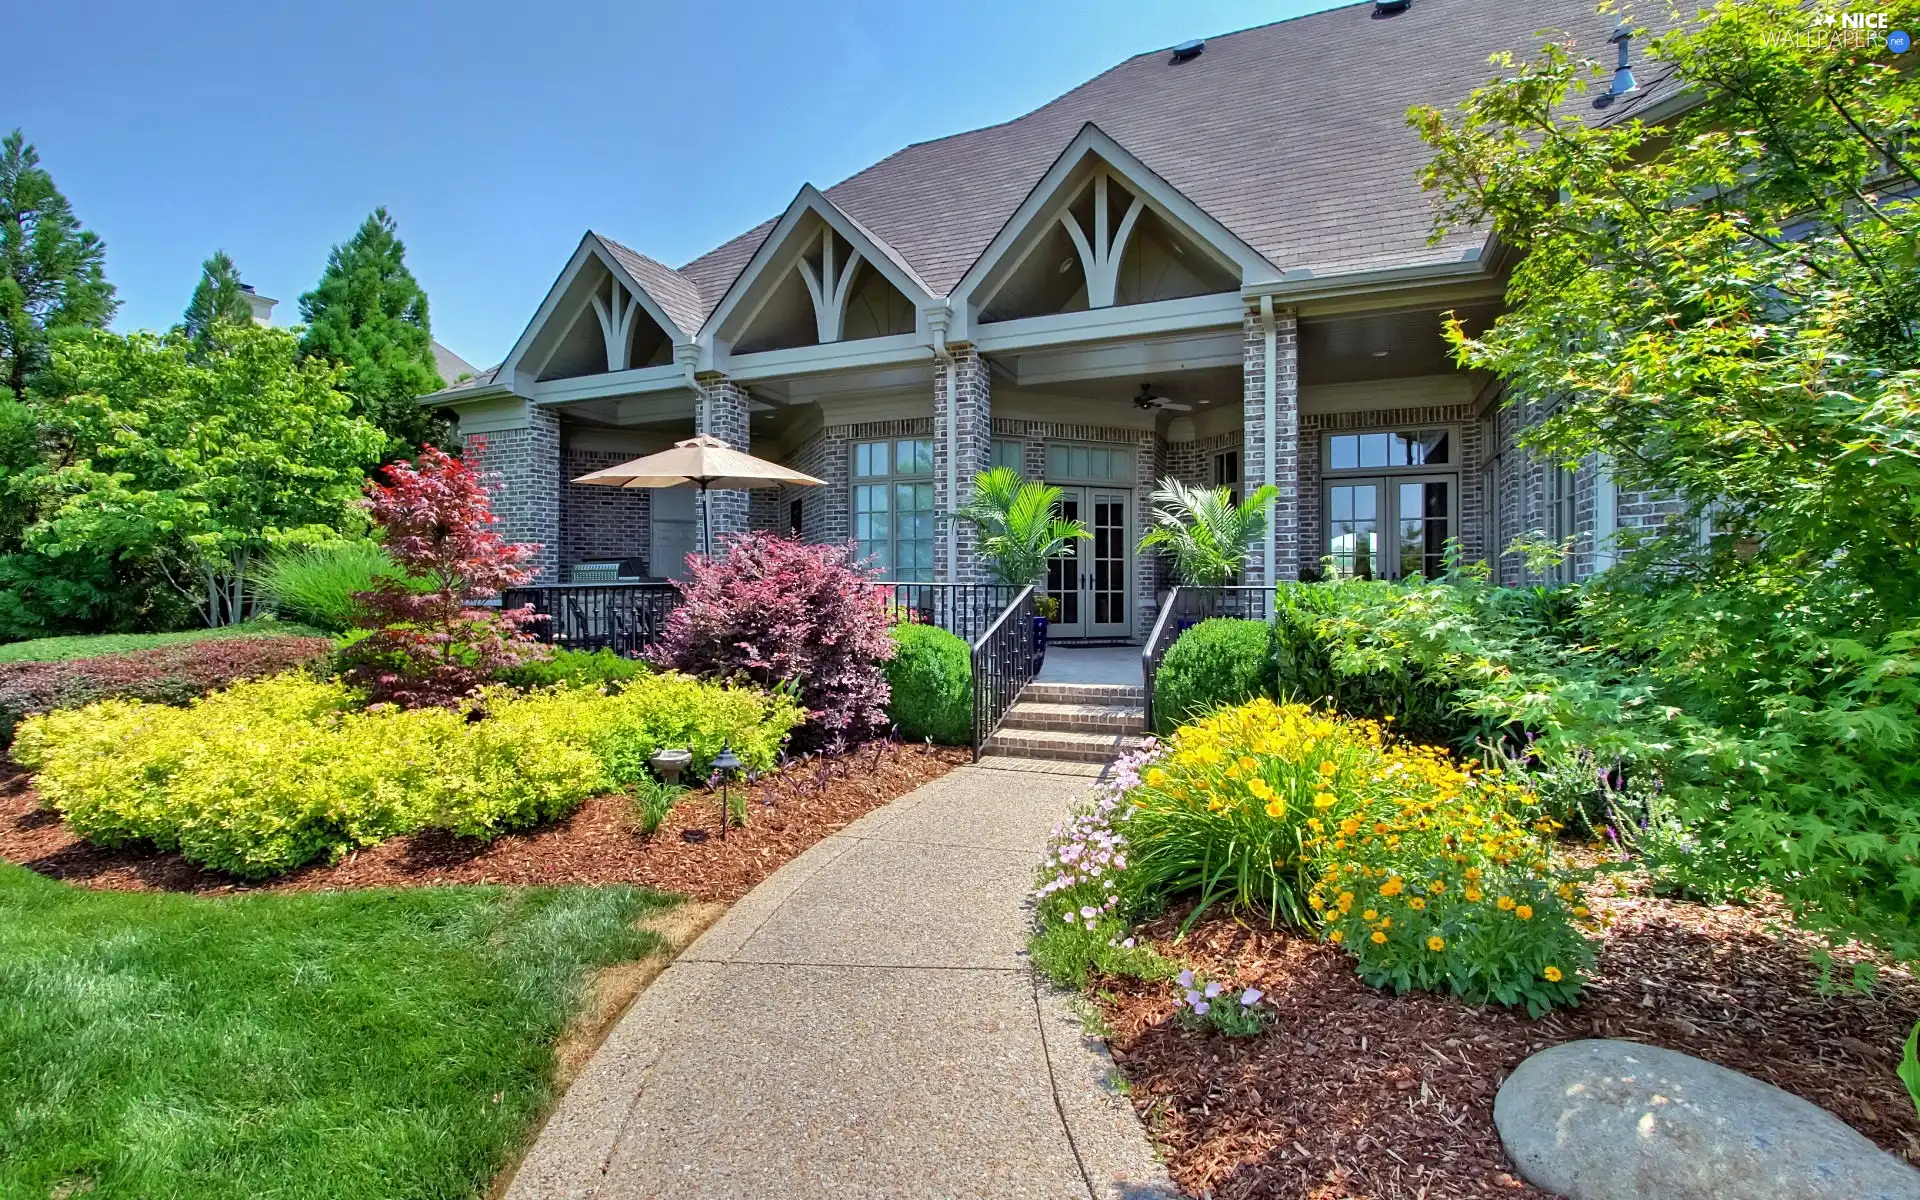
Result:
890,481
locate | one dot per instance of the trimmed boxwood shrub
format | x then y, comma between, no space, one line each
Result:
932,681
1218,662
170,674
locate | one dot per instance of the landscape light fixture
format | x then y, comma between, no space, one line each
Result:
726,763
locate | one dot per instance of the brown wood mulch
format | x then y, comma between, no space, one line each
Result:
1355,1093
597,844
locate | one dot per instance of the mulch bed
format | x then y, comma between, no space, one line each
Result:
597,844
1356,1093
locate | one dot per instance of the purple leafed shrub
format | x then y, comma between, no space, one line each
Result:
165,674
778,613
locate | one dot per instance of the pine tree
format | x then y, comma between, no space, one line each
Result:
218,299
52,272
369,314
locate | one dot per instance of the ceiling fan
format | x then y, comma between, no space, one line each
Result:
1148,400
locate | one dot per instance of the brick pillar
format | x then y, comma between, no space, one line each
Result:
962,448
523,469
1283,535
722,412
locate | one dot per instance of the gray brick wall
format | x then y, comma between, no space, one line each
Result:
1285,446
722,412
962,448
601,522
523,469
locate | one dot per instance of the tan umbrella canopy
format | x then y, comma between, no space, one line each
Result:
703,462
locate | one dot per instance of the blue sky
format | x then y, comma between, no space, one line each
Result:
498,132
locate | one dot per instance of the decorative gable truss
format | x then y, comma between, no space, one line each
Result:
598,330
819,279
1100,230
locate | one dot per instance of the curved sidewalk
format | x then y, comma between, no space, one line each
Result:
864,1023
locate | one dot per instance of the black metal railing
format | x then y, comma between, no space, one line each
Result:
965,610
1186,606
622,617
1002,665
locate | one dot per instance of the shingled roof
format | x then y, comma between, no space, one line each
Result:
1293,135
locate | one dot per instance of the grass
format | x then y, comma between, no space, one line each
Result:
349,1044
60,649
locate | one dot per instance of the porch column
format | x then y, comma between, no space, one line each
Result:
962,448
721,410
1270,371
520,456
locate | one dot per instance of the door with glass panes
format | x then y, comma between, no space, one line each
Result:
1090,578
1393,528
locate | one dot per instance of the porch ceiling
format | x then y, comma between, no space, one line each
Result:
1362,347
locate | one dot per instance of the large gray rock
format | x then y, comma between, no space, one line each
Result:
1611,1120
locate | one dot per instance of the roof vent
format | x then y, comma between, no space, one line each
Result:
1390,8
1188,51
1623,80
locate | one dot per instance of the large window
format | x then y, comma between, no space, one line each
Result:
893,506
1011,455
1389,514
1068,463
1226,472
1562,489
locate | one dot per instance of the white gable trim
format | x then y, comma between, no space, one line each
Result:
779,250
1047,205
618,322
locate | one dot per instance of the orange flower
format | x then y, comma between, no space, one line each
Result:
1524,912
1553,974
1378,937
1436,943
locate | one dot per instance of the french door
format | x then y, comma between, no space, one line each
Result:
1392,528
1090,578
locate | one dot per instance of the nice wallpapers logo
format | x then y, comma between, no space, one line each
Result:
1849,30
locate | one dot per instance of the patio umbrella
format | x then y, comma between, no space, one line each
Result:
703,462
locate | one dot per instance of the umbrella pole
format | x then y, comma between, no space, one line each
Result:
706,523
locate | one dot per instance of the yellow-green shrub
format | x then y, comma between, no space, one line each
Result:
278,772
670,709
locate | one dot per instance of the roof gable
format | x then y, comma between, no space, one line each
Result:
627,269
779,250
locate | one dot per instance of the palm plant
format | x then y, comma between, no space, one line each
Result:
1204,531
1019,531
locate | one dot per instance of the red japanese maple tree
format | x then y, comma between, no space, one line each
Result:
431,645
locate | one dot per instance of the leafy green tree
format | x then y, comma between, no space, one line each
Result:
196,463
52,272
369,314
1728,308
1018,528
1204,531
218,299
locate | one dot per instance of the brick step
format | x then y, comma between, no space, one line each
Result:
1076,718
1071,747
1131,694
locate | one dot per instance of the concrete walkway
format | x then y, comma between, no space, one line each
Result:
864,1023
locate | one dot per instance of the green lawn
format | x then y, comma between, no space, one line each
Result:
352,1044
60,649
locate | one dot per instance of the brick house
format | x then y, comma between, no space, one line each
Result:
1211,263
